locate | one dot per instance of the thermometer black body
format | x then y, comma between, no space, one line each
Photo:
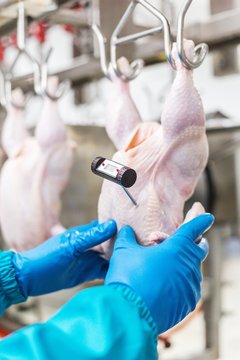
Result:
113,171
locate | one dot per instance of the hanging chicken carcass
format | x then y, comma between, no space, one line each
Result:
168,158
34,175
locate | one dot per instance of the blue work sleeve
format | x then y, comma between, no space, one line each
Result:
10,292
104,322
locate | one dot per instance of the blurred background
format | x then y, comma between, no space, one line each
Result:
65,28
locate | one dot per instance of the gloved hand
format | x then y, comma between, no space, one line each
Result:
64,260
167,276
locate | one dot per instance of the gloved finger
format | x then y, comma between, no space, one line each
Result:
196,227
204,247
93,236
126,237
96,265
85,226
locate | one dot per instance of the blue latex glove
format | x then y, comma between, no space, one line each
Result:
64,260
166,276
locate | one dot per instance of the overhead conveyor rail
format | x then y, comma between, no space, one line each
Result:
222,28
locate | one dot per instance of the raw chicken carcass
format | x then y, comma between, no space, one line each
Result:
168,158
34,176
14,133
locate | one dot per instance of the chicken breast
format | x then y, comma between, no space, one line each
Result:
168,158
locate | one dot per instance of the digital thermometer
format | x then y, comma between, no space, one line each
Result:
113,171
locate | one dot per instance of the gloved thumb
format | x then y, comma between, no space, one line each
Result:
203,245
126,237
93,236
196,227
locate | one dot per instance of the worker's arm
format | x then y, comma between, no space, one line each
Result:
10,292
105,322
147,291
61,262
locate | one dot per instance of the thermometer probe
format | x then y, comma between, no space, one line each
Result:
115,172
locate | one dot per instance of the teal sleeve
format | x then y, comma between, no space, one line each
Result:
10,292
103,322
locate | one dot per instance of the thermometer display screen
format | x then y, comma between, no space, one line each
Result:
110,168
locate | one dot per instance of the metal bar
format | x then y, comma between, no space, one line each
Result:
219,29
66,16
6,3
123,21
11,24
128,38
102,51
21,26
84,67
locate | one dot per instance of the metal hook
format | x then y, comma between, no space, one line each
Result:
43,89
102,50
137,65
200,51
40,73
8,74
42,79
